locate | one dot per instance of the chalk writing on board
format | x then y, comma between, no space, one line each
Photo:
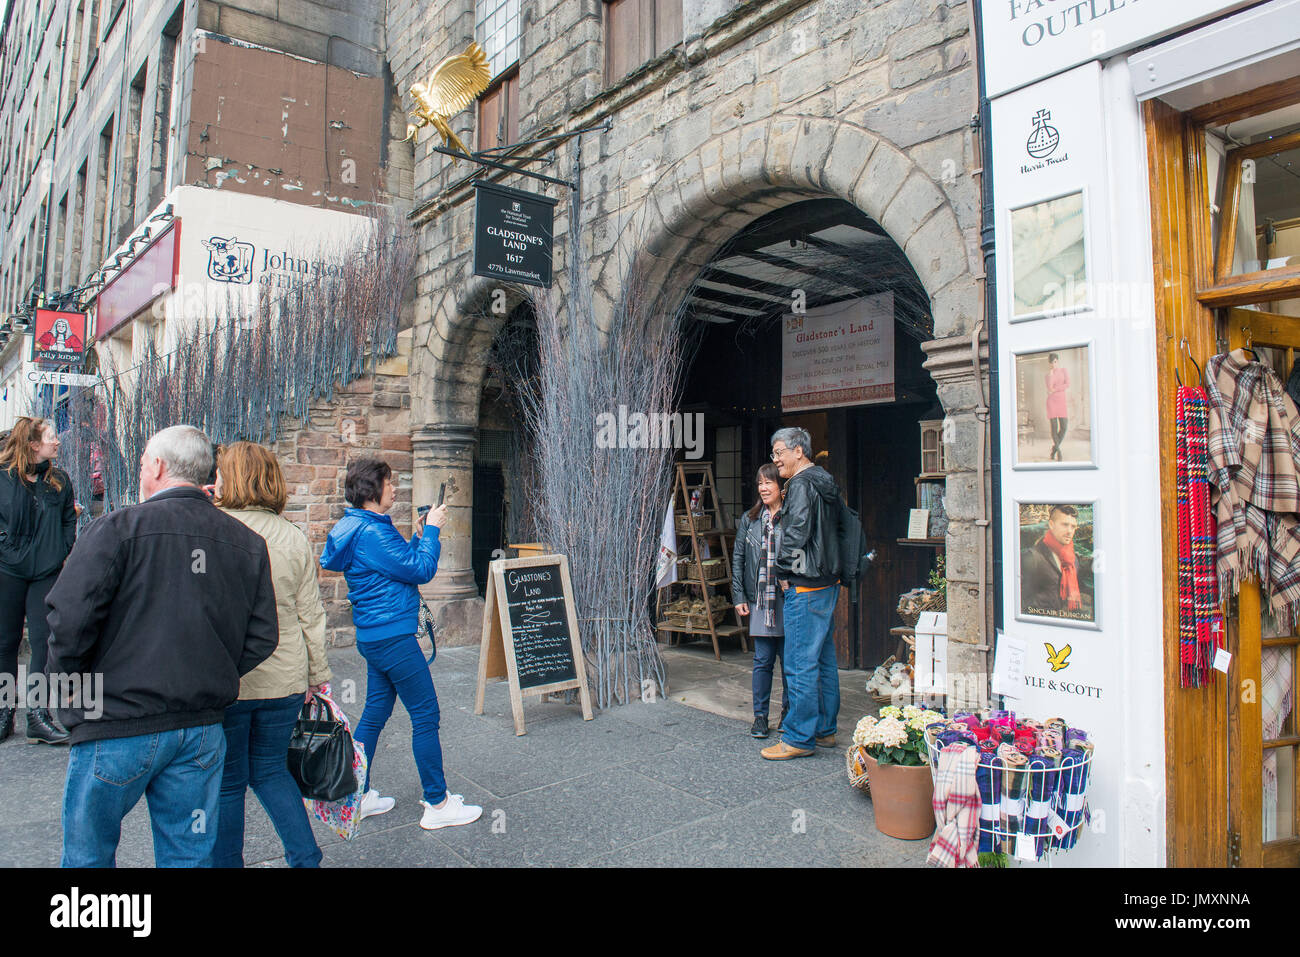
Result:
539,626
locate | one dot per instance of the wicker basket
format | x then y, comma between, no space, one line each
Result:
936,602
703,523
714,570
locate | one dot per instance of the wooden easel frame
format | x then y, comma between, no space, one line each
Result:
496,657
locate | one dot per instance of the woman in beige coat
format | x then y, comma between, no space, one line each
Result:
251,488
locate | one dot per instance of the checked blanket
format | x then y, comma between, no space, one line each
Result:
1200,623
1254,436
956,804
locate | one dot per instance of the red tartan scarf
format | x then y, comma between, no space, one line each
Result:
1200,622
1069,571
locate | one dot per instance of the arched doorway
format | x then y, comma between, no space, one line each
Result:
816,258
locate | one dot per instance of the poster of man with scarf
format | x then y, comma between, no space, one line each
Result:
1056,562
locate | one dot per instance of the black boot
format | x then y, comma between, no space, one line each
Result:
759,727
6,722
40,730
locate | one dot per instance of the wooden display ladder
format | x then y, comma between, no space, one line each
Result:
709,505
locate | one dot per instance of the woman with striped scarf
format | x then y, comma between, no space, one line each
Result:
755,593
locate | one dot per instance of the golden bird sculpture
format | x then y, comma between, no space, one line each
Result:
454,84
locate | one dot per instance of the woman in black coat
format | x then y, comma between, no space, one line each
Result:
754,591
38,524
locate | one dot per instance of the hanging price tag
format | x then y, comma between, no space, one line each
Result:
1026,849
1222,659
1056,825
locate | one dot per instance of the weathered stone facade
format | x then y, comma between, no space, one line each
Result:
763,104
369,417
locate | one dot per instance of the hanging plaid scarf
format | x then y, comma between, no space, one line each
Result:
767,570
1200,623
956,803
1254,434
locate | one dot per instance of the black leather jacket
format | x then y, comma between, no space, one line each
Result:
810,549
745,558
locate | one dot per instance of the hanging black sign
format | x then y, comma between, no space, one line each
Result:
513,234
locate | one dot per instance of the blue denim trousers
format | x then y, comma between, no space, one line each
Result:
396,668
768,648
257,747
177,772
811,673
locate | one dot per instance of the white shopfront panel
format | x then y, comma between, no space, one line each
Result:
1074,277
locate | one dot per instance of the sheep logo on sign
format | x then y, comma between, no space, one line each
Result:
229,260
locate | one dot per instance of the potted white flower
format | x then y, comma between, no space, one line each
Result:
898,769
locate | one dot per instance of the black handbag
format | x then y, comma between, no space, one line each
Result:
320,753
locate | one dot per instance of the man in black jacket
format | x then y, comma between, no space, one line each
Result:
167,603
808,569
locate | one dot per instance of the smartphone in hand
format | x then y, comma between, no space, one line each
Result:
442,493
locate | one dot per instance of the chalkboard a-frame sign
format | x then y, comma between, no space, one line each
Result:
530,633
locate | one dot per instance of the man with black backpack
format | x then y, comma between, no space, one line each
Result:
808,568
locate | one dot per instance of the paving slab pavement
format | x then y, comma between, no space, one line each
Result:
644,784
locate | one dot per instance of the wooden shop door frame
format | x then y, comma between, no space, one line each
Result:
1210,816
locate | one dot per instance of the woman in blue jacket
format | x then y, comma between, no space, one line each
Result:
383,571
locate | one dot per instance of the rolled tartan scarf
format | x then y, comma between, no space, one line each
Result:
983,733
965,716
952,736
1014,782
767,570
1070,784
1199,619
956,804
1075,737
988,775
1055,724
1031,724
1008,735
1042,788
1005,719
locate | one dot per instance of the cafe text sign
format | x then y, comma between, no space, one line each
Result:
513,234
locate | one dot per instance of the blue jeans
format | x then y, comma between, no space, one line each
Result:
767,648
179,774
811,672
396,668
257,748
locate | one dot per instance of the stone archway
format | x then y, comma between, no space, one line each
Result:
703,199
673,228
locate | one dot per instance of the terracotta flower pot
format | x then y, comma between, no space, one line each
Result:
900,797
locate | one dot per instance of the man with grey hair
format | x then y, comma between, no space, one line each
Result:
808,570
171,602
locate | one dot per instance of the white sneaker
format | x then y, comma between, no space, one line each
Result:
372,803
453,813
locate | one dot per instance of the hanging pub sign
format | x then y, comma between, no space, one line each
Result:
59,338
513,234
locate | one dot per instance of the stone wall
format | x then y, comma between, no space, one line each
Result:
762,105
369,417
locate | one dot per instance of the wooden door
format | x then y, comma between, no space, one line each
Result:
1263,735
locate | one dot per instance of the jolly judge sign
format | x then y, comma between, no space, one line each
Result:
513,234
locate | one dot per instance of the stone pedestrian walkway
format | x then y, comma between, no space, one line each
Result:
642,785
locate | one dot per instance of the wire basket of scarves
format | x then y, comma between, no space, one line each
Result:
1032,779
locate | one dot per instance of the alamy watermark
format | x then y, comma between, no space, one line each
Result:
79,692
651,430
